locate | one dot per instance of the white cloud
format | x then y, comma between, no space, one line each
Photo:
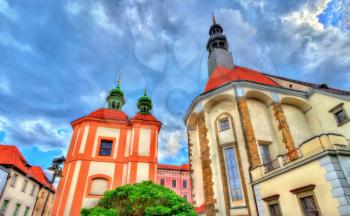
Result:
9,12
10,41
94,101
101,18
41,133
74,7
308,16
170,143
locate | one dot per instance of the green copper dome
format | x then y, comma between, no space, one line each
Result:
144,104
115,98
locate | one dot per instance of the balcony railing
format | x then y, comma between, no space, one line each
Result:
292,156
274,164
307,149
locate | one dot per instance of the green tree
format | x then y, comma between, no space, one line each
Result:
145,198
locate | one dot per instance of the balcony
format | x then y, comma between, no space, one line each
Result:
309,148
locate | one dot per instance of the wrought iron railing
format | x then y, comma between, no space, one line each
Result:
274,164
292,155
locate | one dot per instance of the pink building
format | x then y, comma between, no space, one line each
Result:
176,178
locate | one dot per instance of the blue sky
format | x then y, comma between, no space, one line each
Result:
59,59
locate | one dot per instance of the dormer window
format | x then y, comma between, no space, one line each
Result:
340,114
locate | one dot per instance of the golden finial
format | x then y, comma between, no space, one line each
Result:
213,18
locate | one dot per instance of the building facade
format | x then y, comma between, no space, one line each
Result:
108,150
22,185
267,145
176,178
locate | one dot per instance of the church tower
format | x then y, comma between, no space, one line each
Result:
108,149
217,46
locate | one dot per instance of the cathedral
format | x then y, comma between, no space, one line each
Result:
261,144
108,149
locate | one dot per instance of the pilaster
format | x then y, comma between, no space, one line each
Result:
283,127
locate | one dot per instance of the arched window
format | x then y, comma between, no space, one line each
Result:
98,184
113,104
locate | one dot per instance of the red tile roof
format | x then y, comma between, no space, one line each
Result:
145,117
200,209
222,76
10,155
110,114
183,167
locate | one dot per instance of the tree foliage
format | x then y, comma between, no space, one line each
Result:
145,198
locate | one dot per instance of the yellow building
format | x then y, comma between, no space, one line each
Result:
267,145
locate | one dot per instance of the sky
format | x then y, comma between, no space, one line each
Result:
59,59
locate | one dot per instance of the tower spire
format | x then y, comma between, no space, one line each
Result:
213,18
217,47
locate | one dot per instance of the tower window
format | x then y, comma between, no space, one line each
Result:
98,186
105,148
113,104
224,124
233,176
173,183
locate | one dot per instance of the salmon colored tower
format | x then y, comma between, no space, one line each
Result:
108,150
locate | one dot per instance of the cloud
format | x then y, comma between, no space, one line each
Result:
10,41
100,17
35,132
7,11
5,86
74,7
170,144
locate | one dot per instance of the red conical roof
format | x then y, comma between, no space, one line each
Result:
222,76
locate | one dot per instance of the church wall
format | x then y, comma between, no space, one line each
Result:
144,146
298,124
196,166
283,183
263,121
73,185
321,106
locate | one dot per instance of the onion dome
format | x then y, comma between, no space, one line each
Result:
115,98
144,104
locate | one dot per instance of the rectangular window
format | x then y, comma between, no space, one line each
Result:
224,124
14,180
4,206
24,187
275,209
184,184
105,148
162,182
26,212
33,190
265,154
340,114
173,183
18,206
232,172
309,206
341,117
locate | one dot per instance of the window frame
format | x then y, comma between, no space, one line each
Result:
228,175
162,182
14,180
221,120
337,109
184,184
273,200
24,186
17,208
89,185
108,139
303,192
2,209
26,211
33,190
267,146
172,183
